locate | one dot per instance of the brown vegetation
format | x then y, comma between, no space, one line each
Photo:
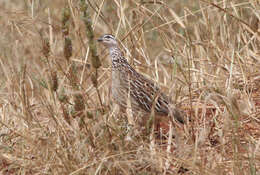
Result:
57,116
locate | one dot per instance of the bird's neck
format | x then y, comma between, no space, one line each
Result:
116,56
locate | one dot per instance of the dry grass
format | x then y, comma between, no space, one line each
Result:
56,110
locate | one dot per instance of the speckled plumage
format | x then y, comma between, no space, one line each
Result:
144,94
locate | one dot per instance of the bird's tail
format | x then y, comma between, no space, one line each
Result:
178,115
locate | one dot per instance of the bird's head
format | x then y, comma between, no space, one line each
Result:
108,40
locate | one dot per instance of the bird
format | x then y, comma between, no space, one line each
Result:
145,96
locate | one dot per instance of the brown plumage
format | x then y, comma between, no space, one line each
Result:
144,94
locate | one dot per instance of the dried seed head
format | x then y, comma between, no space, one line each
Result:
79,105
67,48
45,47
94,80
54,81
65,21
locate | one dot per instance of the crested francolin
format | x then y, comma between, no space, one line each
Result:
128,84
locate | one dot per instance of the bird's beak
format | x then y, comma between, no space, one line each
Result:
100,39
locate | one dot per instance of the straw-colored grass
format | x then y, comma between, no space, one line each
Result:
56,111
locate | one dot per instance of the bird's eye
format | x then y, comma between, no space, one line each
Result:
108,37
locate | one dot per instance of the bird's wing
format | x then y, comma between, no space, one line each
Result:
147,94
